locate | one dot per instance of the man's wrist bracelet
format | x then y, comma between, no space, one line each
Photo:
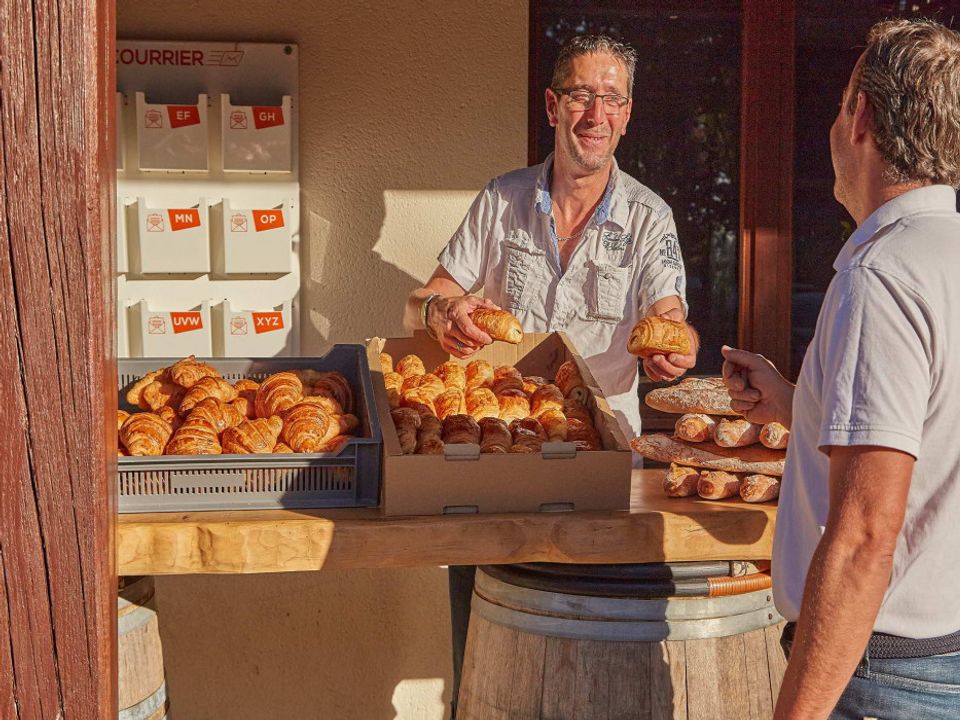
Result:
425,309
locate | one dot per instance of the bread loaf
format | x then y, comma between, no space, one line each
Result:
774,436
658,336
498,324
736,432
717,485
681,481
752,459
692,395
695,427
759,488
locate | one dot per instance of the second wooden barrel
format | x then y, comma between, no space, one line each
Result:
550,644
142,690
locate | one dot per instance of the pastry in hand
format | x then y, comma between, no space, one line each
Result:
498,324
459,429
570,381
410,365
252,436
659,336
144,434
277,393
479,374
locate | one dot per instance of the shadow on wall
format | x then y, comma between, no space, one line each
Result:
306,645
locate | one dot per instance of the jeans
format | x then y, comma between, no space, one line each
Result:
926,688
461,579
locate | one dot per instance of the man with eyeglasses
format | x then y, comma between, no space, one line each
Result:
573,245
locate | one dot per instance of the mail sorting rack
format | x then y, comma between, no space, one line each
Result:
256,138
251,333
170,239
253,240
172,137
170,332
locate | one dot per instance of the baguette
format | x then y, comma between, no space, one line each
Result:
695,427
658,336
753,459
774,436
681,481
759,488
732,433
717,485
693,395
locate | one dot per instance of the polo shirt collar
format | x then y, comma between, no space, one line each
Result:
930,198
613,206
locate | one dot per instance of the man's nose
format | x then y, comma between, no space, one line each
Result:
596,114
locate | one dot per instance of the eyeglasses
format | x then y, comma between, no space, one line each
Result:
583,100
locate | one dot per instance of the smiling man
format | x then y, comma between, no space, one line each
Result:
573,245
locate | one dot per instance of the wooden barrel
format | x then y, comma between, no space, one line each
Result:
143,692
550,645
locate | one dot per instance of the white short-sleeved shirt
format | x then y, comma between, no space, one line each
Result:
883,369
627,259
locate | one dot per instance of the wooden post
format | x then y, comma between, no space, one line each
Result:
766,179
57,366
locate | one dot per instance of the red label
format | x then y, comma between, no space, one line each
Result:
267,219
265,117
186,321
184,219
183,115
267,321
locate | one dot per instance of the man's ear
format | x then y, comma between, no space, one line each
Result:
551,101
626,116
861,129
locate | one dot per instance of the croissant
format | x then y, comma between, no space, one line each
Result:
419,402
336,386
546,397
574,410
507,371
513,405
278,392
122,415
460,429
335,444
481,403
430,445
386,363
252,436
450,402
532,382
169,416
245,407
452,374
656,336
507,384
282,448
135,393
479,374
527,426
324,402
430,425
393,382
306,427
197,436
162,392
208,386
498,324
407,422
554,424
410,365
570,381
218,414
144,434
189,371
527,444
494,436
582,434
429,384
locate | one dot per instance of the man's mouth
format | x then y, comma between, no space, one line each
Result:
593,139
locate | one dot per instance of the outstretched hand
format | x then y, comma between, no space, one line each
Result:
449,319
757,390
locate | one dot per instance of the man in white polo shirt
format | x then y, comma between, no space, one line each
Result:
869,520
574,244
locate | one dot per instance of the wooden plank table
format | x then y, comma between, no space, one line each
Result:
655,529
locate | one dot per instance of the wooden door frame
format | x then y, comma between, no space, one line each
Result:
58,633
766,171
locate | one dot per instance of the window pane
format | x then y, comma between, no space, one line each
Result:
683,137
830,37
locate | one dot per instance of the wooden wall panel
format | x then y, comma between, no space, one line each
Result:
766,179
57,359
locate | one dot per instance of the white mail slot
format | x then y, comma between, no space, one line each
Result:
253,333
257,240
170,239
171,333
172,137
256,138
123,263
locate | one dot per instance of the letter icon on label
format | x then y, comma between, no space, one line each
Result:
183,115
267,321
267,219
186,321
184,219
266,117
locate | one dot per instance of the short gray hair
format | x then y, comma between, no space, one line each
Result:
910,75
591,45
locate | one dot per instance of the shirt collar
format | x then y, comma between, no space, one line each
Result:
613,205
931,198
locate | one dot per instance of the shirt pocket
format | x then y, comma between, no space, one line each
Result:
525,264
606,294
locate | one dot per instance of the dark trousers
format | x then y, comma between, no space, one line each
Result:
460,578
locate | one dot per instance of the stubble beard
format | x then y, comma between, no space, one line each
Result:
591,162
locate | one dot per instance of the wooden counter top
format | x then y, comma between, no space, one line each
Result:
656,528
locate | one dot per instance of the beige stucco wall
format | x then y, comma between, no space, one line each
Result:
438,106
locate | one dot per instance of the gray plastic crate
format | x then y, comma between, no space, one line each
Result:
170,483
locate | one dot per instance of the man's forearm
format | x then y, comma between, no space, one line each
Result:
844,588
411,311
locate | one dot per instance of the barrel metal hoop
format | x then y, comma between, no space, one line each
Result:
541,602
146,708
131,621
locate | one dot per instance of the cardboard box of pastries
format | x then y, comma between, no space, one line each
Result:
557,476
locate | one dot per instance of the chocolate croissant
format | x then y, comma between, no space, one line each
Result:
208,386
546,397
554,423
278,392
452,374
481,403
583,435
144,434
252,436
658,336
429,441
189,371
479,374
514,405
450,402
570,381
495,436
460,429
407,422
498,324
